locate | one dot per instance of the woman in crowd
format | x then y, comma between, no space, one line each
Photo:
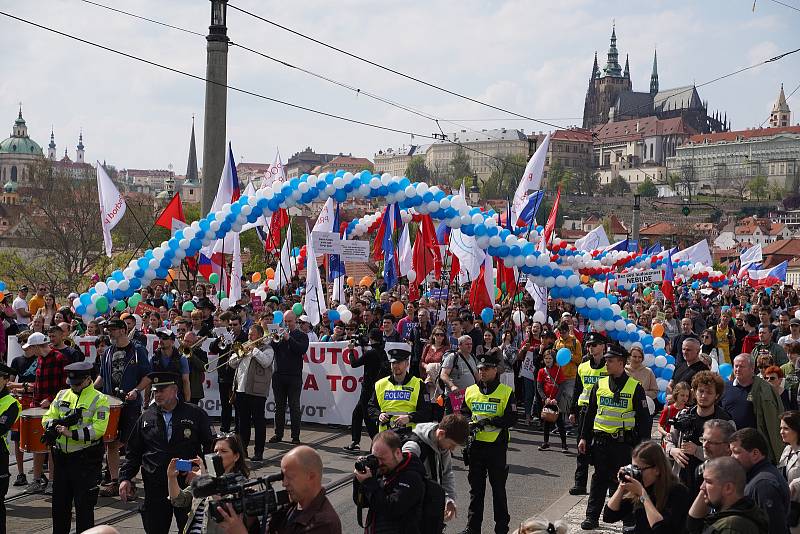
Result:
725,336
549,383
488,343
775,378
708,340
790,464
659,502
644,375
48,311
509,354
434,350
229,449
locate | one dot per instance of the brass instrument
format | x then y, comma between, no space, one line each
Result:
187,349
239,349
278,334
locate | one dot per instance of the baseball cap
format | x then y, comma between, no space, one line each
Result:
36,339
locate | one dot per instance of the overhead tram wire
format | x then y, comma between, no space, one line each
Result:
356,90
251,93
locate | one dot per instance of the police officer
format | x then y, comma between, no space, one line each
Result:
400,400
590,371
616,419
171,428
78,451
9,412
490,407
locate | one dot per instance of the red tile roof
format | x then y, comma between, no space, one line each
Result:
647,126
617,226
744,134
659,229
573,134
349,160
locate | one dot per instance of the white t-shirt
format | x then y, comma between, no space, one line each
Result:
20,304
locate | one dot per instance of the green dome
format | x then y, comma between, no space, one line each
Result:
21,145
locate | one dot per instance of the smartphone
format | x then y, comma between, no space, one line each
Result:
184,466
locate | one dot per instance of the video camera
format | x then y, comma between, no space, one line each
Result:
250,497
360,340
685,422
50,435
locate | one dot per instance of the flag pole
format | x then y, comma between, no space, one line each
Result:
146,238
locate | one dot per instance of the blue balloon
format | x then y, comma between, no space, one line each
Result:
725,370
487,314
333,315
563,356
277,317
656,371
662,397
670,359
2,286
666,373
660,352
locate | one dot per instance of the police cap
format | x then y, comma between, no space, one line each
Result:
116,323
163,379
595,338
398,355
616,351
77,372
490,359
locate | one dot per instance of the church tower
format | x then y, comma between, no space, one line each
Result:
79,154
605,86
781,114
51,148
654,75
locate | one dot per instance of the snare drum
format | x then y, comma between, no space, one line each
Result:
115,411
31,430
24,399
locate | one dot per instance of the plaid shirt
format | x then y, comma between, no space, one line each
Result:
50,376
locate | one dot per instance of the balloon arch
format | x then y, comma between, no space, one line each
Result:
564,270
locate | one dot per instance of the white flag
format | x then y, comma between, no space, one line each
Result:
283,273
275,173
531,179
539,295
752,255
593,240
314,302
406,258
112,205
470,256
338,289
697,253
235,291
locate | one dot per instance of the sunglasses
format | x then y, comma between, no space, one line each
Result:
773,378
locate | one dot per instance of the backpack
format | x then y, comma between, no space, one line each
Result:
432,517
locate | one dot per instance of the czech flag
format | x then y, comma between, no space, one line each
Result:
669,277
768,277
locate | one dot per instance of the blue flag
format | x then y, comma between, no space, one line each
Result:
654,249
390,258
335,264
531,207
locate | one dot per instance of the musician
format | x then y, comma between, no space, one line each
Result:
78,451
22,380
167,359
123,374
253,376
10,409
132,331
287,379
57,337
193,351
222,348
168,429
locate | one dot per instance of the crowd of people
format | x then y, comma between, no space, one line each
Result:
716,452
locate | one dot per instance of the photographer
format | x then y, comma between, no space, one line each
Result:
230,450
376,365
433,444
394,489
648,488
684,445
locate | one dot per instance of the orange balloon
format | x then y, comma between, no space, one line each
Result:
2,295
256,278
270,273
366,281
351,281
658,330
397,309
584,278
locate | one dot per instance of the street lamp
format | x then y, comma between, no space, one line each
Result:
474,190
219,10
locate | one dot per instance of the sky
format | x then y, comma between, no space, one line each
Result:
532,57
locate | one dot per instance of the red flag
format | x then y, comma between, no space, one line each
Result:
377,251
478,293
455,267
425,254
551,220
279,221
505,275
174,210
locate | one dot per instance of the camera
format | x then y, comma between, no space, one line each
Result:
629,471
252,498
368,462
684,422
359,340
50,435
183,466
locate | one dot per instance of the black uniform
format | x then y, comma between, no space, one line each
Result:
173,366
489,459
376,366
149,449
7,419
225,376
583,460
287,380
609,453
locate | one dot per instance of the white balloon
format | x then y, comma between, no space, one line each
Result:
272,284
661,361
518,317
659,343
101,288
225,303
649,360
346,316
341,308
411,275
539,317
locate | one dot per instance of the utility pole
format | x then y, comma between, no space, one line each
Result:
637,208
214,120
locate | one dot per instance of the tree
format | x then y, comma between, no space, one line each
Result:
616,187
758,187
460,167
739,185
585,182
506,174
647,188
417,170
776,191
558,176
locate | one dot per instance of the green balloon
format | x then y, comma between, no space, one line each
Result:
647,291
221,294
102,304
518,298
188,306
297,309
623,313
213,278
119,306
134,300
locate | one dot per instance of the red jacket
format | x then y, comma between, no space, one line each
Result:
551,379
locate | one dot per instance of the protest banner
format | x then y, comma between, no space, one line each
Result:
640,277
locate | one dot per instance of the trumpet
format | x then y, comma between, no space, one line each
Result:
278,334
187,349
239,349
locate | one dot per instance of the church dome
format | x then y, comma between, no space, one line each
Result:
10,187
21,146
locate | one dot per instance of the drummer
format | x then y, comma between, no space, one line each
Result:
22,380
123,374
9,412
78,451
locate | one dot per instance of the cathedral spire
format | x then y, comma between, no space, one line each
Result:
781,114
627,73
595,68
51,148
612,67
654,75
191,166
79,154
